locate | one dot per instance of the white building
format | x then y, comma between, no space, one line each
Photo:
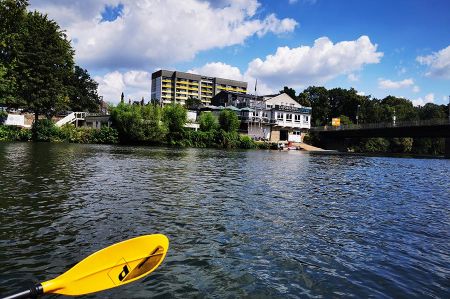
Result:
275,117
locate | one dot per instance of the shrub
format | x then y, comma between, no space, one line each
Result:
9,133
105,136
208,122
246,142
228,121
374,145
44,130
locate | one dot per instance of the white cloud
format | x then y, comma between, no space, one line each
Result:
318,64
293,1
135,85
388,84
416,89
361,93
219,69
429,98
438,63
154,32
352,77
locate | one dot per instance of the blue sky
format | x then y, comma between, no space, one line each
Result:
380,48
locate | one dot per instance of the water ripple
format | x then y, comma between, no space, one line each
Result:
257,224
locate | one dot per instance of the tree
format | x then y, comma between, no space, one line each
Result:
321,108
175,117
208,122
139,124
228,121
83,91
290,92
432,111
12,16
44,62
403,108
193,102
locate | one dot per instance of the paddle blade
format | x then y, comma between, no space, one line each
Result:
111,267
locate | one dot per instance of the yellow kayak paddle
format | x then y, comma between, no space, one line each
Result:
107,268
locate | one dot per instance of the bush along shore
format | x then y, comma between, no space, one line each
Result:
145,125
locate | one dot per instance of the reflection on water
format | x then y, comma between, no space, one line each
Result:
241,223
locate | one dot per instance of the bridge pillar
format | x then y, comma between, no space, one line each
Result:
447,148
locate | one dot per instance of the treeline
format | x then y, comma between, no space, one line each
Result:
154,125
37,69
352,108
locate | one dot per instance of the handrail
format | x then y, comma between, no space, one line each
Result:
397,124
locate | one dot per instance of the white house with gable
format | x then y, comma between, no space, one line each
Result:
278,118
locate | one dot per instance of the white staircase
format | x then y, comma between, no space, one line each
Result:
71,118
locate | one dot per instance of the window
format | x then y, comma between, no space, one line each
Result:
297,118
280,116
288,117
297,133
264,115
306,118
269,106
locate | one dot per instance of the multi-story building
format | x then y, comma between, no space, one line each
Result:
172,86
270,117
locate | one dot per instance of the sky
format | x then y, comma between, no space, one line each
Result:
380,48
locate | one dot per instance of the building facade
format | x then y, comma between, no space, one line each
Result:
176,87
271,117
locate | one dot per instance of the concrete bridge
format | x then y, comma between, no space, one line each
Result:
439,128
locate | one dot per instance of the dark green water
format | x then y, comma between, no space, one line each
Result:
261,224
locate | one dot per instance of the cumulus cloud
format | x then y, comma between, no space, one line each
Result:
135,84
416,89
388,84
153,32
318,64
219,69
438,63
429,98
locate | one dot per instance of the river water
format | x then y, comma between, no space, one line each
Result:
258,224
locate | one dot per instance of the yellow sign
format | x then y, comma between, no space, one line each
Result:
335,122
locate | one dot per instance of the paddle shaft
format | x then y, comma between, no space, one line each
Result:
32,292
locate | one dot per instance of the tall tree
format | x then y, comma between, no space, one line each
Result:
12,16
83,91
44,62
321,108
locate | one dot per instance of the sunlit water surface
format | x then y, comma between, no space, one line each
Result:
261,224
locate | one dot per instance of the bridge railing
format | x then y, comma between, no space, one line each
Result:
397,124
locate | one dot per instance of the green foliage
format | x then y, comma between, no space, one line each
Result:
374,145
44,62
401,145
345,120
208,122
82,91
139,124
229,121
433,111
193,102
228,140
44,130
175,117
428,146
200,138
246,142
9,133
